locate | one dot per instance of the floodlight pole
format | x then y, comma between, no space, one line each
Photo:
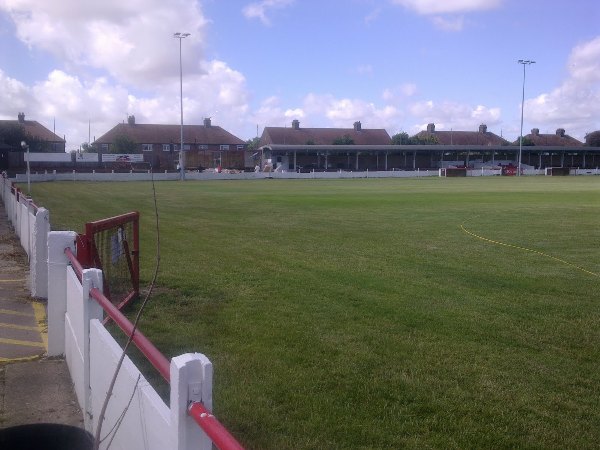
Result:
181,36
524,62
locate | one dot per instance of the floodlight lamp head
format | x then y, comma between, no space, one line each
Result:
180,35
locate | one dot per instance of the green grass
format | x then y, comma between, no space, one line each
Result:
358,313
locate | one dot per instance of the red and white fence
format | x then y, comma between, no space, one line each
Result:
136,417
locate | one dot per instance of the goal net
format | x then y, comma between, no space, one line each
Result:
112,245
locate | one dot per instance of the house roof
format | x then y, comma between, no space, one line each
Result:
323,136
34,129
481,137
146,133
559,139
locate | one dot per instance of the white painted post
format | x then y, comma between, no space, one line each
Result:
91,278
38,264
191,380
57,288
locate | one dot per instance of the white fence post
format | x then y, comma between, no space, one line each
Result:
91,278
24,227
38,262
57,288
191,380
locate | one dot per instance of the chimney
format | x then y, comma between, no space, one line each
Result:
21,117
560,132
295,124
357,126
131,120
535,131
431,127
483,128
207,122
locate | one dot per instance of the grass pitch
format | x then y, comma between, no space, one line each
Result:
359,314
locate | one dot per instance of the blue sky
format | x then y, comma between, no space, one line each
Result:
393,64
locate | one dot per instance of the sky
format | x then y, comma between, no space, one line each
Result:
80,67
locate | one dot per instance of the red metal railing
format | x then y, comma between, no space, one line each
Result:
77,267
212,427
155,357
209,423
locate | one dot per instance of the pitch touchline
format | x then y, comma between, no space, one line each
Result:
528,250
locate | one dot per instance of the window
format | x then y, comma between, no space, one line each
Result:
166,147
203,147
185,147
240,147
147,147
224,147
104,147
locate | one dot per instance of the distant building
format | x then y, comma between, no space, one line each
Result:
558,139
480,137
37,137
205,146
306,149
324,136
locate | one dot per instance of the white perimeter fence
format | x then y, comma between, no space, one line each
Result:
75,330
225,175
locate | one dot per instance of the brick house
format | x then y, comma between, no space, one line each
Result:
205,146
38,137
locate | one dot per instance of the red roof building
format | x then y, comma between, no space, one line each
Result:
205,146
480,137
40,138
324,136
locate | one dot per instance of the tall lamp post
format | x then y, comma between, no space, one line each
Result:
524,62
181,36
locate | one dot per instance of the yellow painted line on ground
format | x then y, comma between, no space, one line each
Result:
39,310
23,343
16,313
491,241
19,280
18,327
23,359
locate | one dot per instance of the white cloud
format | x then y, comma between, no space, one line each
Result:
14,96
453,115
449,24
113,36
399,93
344,112
575,104
118,62
433,7
373,16
259,10
364,69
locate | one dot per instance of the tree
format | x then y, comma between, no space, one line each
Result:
527,142
86,147
14,134
124,144
428,139
593,139
253,144
401,138
344,140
